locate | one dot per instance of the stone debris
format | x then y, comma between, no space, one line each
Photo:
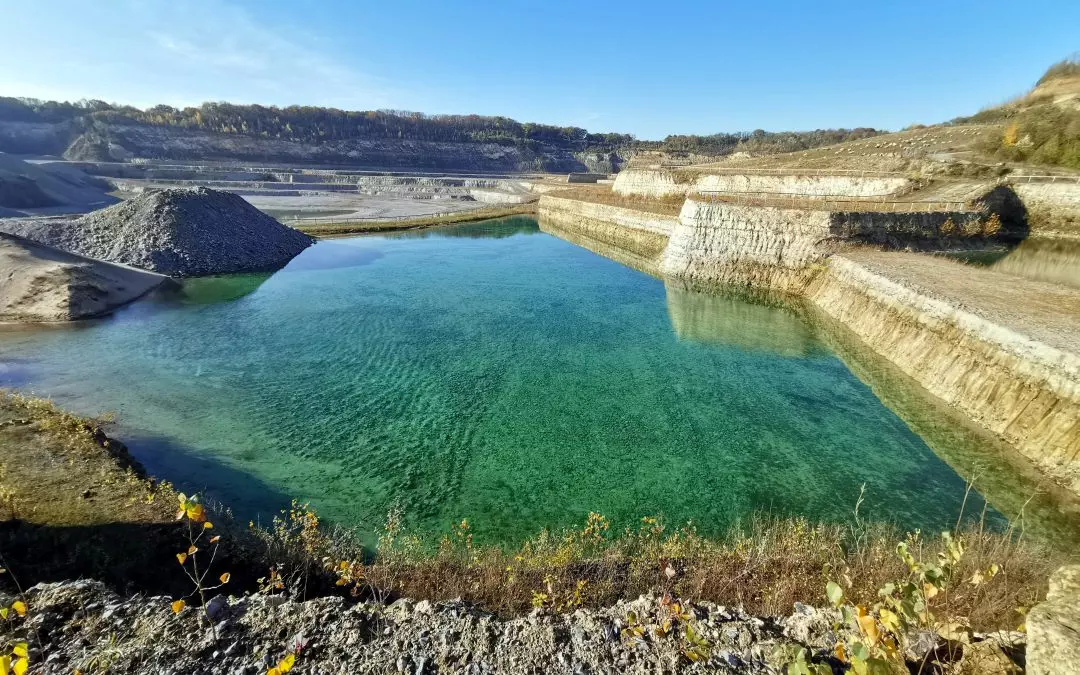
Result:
82,624
176,232
1053,627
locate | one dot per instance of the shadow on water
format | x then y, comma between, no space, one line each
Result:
497,228
248,497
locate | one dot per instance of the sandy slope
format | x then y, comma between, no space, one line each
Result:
40,283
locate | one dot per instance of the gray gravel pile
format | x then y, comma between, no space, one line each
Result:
82,626
177,232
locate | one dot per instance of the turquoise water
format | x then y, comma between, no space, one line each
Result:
487,371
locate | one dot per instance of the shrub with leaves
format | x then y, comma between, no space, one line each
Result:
671,622
194,514
884,633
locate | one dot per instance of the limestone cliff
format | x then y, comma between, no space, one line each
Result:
1023,387
998,348
1053,209
639,232
667,182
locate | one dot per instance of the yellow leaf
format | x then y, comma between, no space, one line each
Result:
286,664
182,557
225,578
215,539
178,606
5,665
20,650
929,590
890,620
869,628
193,550
20,666
839,651
4,612
208,525
20,607
273,671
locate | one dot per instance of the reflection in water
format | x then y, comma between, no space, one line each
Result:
620,255
733,321
480,229
224,288
517,381
330,255
1049,260
1005,479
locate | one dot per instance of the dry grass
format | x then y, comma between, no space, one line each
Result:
602,194
71,509
765,566
373,226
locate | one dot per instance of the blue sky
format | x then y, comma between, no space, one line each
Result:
647,68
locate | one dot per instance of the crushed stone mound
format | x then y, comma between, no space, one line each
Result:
39,283
177,232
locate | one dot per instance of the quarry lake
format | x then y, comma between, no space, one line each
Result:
493,372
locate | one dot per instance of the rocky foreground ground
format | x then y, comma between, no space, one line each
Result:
83,627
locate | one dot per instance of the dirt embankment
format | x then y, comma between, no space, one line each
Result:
41,283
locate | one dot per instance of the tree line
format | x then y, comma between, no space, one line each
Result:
311,124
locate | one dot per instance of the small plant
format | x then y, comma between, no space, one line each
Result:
991,226
194,514
673,621
948,228
882,632
558,599
283,666
17,661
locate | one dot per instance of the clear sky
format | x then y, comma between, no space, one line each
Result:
647,68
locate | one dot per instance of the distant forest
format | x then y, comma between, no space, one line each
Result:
309,124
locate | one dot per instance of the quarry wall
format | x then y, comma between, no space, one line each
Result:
665,183
1053,209
1024,391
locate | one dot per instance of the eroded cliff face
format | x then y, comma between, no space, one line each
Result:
650,183
805,186
665,183
721,244
638,232
121,142
1020,388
